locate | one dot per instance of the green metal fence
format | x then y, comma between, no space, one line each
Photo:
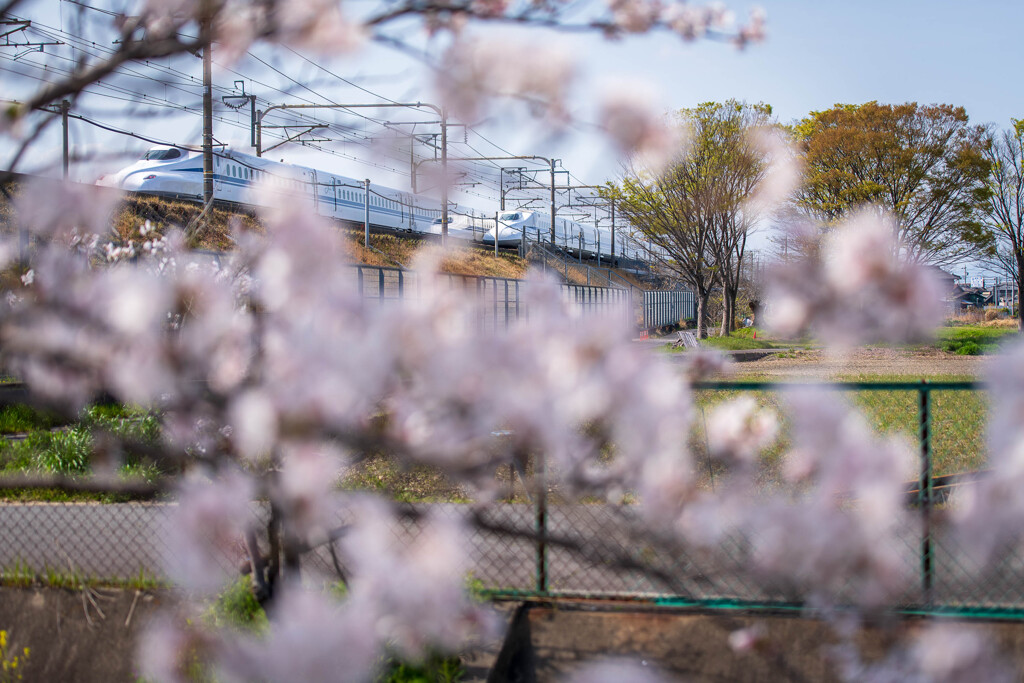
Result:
596,551
547,544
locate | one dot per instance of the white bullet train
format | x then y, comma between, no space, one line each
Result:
247,180
515,226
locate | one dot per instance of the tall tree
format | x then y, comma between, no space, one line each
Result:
739,169
924,164
1005,203
694,210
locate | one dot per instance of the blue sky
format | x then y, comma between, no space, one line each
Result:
820,53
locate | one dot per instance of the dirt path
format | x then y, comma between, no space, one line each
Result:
908,362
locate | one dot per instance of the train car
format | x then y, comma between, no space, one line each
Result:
514,226
243,179
246,180
464,226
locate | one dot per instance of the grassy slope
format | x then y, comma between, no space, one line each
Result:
385,250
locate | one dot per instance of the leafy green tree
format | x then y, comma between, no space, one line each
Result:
926,165
694,210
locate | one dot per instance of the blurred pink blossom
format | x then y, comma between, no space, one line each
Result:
740,429
637,126
474,70
855,287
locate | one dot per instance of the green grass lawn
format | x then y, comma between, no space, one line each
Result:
973,340
743,339
738,343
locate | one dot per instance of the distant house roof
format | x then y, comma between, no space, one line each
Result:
942,274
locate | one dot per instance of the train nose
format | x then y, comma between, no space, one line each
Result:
115,180
137,181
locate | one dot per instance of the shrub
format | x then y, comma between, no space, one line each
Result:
65,452
993,314
969,348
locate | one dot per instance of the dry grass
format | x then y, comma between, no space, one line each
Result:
214,233
970,317
467,261
386,476
1001,323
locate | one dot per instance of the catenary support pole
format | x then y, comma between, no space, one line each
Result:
444,179
552,162
366,213
613,233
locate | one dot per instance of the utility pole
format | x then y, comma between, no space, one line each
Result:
207,31
65,106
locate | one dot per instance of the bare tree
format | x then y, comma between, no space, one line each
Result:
1005,204
694,211
742,167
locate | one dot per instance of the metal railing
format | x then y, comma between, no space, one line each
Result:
500,300
667,307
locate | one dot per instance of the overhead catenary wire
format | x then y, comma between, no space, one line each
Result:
180,81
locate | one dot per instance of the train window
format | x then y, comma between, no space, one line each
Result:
162,154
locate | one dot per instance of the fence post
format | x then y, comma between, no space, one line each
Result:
924,493
541,522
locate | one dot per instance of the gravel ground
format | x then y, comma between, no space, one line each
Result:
909,362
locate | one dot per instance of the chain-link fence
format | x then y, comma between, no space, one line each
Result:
545,543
